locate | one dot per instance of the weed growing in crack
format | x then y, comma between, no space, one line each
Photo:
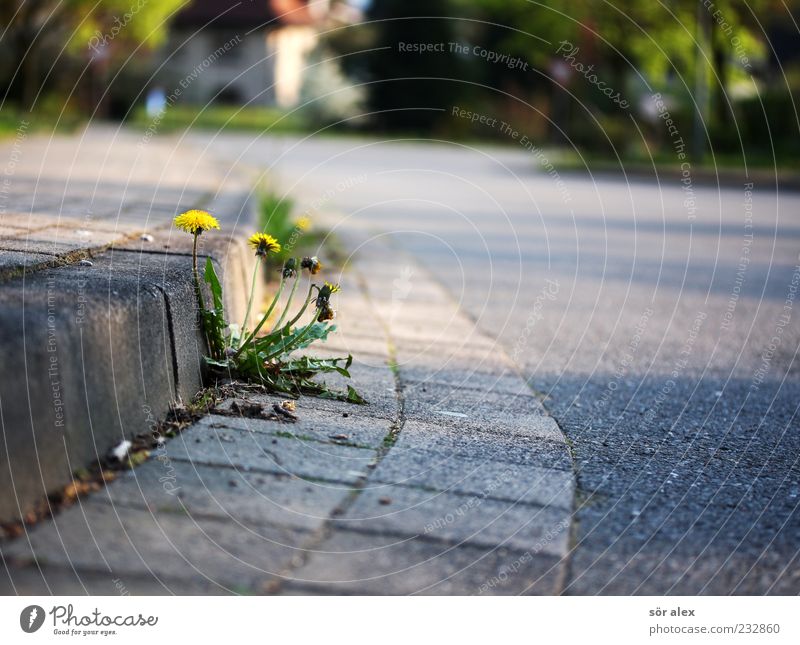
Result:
261,356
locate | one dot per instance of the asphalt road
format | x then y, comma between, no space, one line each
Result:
661,323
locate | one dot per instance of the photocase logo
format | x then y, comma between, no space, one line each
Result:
31,618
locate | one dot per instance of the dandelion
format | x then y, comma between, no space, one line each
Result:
264,244
290,268
241,353
303,224
196,221
325,294
312,264
289,271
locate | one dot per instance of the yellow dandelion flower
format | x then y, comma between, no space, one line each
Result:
196,221
264,243
304,223
332,288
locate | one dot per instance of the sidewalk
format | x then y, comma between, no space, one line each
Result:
63,197
97,309
453,480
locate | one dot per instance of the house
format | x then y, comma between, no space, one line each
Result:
245,52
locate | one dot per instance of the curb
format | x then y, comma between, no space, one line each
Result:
701,177
96,352
453,480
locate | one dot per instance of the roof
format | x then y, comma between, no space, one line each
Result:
244,14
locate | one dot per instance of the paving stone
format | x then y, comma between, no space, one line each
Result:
265,453
481,445
358,319
428,322
514,482
457,519
356,428
453,357
25,245
163,485
502,381
466,340
28,221
380,404
12,260
96,222
355,563
379,392
34,580
131,541
471,409
84,238
352,343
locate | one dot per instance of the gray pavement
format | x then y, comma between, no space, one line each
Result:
658,333
430,488
97,310
658,319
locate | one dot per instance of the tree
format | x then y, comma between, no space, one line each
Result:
42,33
407,87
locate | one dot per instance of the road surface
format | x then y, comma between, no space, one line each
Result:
658,318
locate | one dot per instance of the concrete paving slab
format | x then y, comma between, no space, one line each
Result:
356,428
481,445
355,563
496,479
472,409
163,485
14,261
459,519
35,580
250,451
132,542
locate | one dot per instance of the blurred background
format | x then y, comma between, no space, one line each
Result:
574,75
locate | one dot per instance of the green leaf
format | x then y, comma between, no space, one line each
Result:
223,364
297,338
212,327
214,320
308,366
216,288
355,397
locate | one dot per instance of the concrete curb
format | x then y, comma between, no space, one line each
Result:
453,480
96,351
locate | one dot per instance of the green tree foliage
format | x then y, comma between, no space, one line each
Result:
408,89
41,36
700,53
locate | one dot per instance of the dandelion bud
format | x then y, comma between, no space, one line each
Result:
312,264
290,268
327,313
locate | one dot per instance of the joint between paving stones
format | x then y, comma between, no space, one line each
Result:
329,527
563,574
